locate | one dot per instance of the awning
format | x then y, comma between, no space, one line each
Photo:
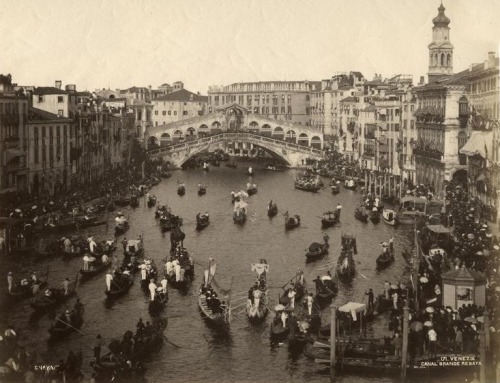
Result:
438,229
353,308
13,153
479,143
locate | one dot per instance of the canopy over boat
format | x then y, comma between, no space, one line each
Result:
240,205
353,308
438,229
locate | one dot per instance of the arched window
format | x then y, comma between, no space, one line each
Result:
462,139
442,58
448,59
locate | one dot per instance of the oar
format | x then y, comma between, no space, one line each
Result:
67,324
240,305
322,345
173,344
364,276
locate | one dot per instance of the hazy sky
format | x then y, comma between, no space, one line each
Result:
118,44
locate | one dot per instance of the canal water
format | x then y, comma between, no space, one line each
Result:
244,353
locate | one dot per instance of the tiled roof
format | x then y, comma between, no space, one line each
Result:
35,114
349,99
134,89
184,96
46,90
460,78
357,74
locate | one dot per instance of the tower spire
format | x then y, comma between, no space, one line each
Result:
440,49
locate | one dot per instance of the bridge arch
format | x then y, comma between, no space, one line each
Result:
178,136
316,142
266,130
278,133
291,136
165,139
203,131
303,139
216,127
153,142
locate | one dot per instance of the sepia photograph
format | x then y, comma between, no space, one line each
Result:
255,191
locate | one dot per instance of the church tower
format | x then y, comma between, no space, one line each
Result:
440,49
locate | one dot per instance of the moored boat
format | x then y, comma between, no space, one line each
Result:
375,215
389,217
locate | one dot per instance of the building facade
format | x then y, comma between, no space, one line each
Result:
178,105
13,140
279,100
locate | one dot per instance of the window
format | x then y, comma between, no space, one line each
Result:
185,113
41,98
175,113
169,113
164,113
307,97
156,113
60,99
60,112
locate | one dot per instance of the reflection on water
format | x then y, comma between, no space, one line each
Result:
244,352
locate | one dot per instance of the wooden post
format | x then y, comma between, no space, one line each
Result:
366,179
404,350
482,354
376,179
333,335
486,325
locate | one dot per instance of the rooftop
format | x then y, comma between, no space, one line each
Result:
183,95
35,114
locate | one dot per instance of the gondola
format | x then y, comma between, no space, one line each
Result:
45,303
326,289
345,265
151,201
239,218
122,201
360,214
134,201
98,267
181,190
375,216
202,190
202,221
389,217
24,291
121,229
317,250
350,184
213,301
307,187
278,331
385,259
61,328
251,189
186,275
158,304
272,210
328,219
292,222
335,189
258,295
119,289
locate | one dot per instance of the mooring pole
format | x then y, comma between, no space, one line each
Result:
333,335
482,355
404,351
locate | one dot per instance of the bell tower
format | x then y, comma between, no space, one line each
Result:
440,49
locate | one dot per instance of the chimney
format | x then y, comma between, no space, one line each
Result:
58,84
491,59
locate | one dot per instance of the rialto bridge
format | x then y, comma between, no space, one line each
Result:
178,141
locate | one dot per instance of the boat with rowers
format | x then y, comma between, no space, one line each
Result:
120,281
213,301
258,295
202,189
121,224
26,287
53,297
202,221
179,268
345,264
181,189
67,323
375,215
251,189
151,201
326,289
386,257
329,219
240,212
291,222
360,214
272,209
317,250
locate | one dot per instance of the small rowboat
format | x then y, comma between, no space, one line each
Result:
98,267
181,190
335,189
134,201
328,219
272,210
61,330
292,222
119,290
317,250
385,259
360,214
278,331
202,221
151,201
375,216
202,190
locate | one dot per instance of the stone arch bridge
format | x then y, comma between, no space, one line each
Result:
234,123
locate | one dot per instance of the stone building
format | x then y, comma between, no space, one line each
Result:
178,105
13,140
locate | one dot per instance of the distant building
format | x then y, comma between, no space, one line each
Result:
13,137
279,100
178,105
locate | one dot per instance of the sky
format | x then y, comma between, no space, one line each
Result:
99,44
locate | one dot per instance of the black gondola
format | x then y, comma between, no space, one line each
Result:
121,229
158,304
329,219
202,190
272,210
121,287
151,201
181,190
96,268
134,201
360,214
47,302
64,327
375,216
292,222
317,250
335,189
202,221
385,259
